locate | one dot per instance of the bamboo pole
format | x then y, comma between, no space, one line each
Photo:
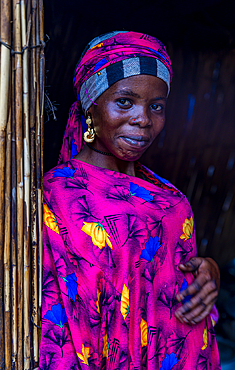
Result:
28,9
34,241
19,165
42,83
13,233
38,168
40,76
4,91
7,248
25,42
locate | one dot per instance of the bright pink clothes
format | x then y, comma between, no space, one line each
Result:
112,245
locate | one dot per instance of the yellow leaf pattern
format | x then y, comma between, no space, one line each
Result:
205,339
97,233
187,229
98,301
100,45
125,302
213,321
85,355
49,219
143,333
106,346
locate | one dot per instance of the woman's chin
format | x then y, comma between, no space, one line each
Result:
129,155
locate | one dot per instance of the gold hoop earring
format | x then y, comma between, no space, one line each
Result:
89,135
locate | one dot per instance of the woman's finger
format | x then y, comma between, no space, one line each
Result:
202,282
192,265
197,303
202,298
199,265
197,308
198,316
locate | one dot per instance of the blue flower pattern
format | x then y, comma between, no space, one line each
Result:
151,248
139,191
74,150
57,315
169,361
64,172
183,287
100,64
71,284
161,179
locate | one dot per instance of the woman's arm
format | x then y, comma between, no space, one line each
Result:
204,289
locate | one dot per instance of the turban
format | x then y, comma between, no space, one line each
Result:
107,59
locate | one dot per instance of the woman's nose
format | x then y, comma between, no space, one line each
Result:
140,118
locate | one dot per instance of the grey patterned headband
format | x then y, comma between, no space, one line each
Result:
92,88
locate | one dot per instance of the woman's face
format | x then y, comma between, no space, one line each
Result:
129,115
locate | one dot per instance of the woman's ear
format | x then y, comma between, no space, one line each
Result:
90,111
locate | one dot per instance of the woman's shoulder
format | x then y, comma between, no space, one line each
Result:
63,170
157,180
165,194
54,179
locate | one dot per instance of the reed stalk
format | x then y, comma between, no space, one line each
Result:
38,157
4,98
7,247
34,241
26,147
14,320
17,44
42,84
28,9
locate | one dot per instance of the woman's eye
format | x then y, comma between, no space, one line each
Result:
157,107
124,102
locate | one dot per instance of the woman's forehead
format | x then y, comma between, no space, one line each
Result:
137,86
137,83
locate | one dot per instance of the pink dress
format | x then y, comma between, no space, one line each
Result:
112,245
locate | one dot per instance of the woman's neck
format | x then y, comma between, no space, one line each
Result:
113,163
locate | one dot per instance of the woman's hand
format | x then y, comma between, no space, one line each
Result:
204,290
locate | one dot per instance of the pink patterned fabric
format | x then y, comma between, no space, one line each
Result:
108,52
114,49
112,246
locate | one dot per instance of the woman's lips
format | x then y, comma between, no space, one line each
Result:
136,141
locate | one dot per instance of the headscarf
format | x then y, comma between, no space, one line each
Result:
107,59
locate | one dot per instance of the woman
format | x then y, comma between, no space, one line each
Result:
116,236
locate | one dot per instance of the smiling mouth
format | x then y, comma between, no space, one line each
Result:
136,141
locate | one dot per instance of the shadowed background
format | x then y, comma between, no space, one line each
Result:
196,149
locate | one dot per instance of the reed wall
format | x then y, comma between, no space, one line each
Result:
21,141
